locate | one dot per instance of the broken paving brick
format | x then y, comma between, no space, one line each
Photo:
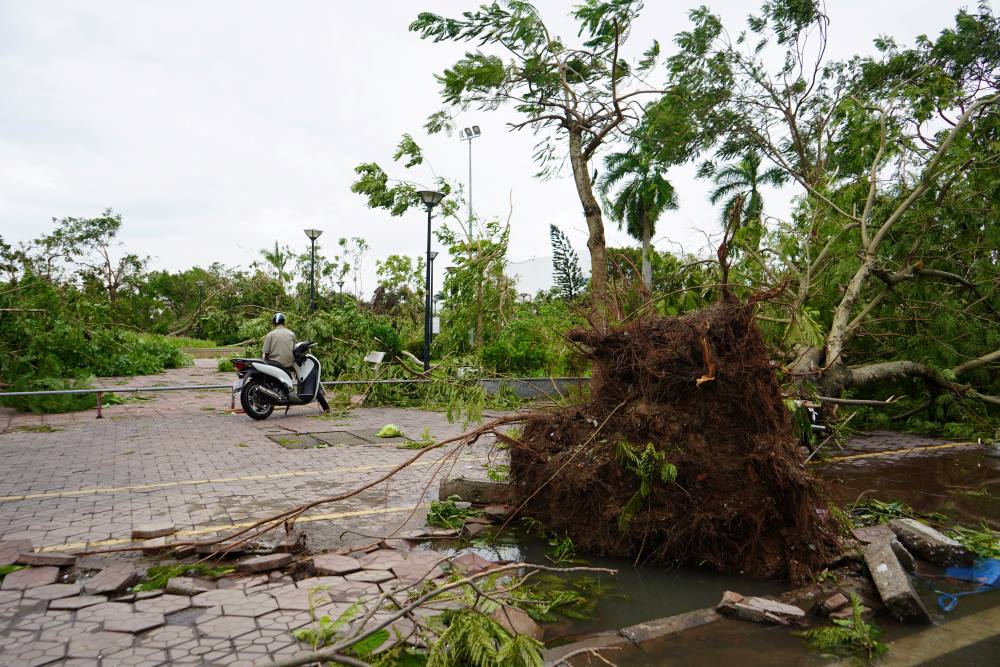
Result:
267,563
45,558
151,530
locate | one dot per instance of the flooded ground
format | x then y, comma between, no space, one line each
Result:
960,482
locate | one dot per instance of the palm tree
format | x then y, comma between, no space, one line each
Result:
739,184
278,259
640,202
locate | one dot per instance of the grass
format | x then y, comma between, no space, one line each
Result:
158,575
185,341
36,428
8,569
226,366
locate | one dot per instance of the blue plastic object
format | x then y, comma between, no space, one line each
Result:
985,572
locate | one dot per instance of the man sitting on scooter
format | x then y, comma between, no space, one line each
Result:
278,345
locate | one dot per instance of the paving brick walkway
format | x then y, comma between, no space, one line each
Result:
72,480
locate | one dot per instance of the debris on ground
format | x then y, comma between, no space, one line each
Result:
759,610
683,453
389,431
930,544
893,583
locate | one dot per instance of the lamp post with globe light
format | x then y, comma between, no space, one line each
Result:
430,198
313,234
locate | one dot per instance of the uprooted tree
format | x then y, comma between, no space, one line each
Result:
683,453
890,257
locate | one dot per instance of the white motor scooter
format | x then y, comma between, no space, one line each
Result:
264,384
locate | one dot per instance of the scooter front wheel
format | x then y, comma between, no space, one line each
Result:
255,402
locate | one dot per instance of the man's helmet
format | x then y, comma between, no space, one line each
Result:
279,318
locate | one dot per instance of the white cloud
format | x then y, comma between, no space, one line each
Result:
215,128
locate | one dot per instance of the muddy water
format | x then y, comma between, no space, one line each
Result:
963,484
960,483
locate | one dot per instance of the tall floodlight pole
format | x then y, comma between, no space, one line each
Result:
431,198
468,134
313,234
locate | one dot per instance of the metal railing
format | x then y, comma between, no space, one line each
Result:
100,391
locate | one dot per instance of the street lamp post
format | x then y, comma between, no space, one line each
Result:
430,289
468,134
431,199
201,302
313,234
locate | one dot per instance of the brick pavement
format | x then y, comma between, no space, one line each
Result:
70,480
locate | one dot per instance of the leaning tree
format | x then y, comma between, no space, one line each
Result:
890,258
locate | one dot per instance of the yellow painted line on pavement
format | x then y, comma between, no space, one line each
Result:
892,452
217,480
230,526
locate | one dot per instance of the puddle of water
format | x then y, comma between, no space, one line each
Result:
964,486
636,594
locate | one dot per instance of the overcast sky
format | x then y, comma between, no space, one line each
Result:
216,128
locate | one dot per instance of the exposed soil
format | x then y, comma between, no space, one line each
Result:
741,501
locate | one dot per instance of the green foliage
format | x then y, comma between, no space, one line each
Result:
446,514
472,639
871,512
848,637
566,273
649,465
562,550
984,541
225,366
7,569
157,576
389,431
552,598
326,631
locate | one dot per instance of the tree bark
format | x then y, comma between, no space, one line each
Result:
595,226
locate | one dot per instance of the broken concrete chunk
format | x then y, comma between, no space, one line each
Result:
905,557
43,558
111,579
470,563
869,534
833,603
497,513
475,491
332,564
517,622
930,544
472,529
893,583
759,610
729,597
264,563
187,586
150,530
154,546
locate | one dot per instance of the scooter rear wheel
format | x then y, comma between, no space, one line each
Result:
254,402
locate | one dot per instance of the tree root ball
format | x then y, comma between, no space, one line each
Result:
699,389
